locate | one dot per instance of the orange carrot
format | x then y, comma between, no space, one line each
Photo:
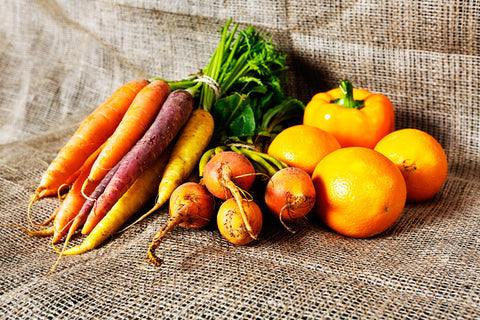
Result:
92,133
134,124
69,207
85,167
134,199
141,191
169,121
73,202
40,233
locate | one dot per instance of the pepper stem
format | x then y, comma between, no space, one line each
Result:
346,100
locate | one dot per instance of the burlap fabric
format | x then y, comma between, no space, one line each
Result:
61,59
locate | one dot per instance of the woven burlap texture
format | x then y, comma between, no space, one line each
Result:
60,59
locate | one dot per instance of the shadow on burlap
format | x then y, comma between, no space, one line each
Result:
61,59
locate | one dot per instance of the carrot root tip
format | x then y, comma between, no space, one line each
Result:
29,209
84,187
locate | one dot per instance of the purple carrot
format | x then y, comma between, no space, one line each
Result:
90,201
171,118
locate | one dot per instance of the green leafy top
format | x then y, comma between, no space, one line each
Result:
241,88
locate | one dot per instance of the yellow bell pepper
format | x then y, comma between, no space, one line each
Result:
355,117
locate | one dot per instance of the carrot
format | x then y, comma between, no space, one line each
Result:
73,202
86,166
134,124
192,141
40,233
69,206
90,200
92,132
172,117
80,218
133,200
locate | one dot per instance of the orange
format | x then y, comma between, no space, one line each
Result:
420,158
302,146
360,192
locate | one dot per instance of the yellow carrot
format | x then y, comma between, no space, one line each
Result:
191,143
133,200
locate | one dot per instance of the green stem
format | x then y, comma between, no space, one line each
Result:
241,68
254,157
346,100
232,52
213,69
204,160
278,163
180,84
193,89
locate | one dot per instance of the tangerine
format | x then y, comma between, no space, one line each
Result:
420,158
360,192
302,146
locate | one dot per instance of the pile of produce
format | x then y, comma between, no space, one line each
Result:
201,144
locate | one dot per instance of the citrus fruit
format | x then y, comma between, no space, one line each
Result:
302,146
360,192
420,158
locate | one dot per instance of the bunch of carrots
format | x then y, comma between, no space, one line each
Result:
149,136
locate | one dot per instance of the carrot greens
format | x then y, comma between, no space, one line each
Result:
241,88
252,107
